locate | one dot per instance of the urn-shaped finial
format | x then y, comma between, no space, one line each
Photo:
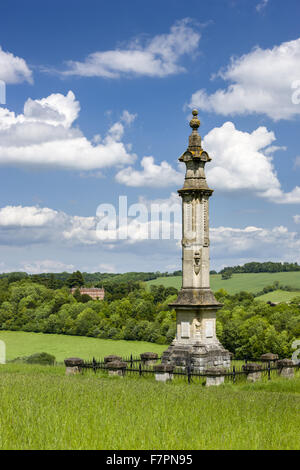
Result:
195,122
195,139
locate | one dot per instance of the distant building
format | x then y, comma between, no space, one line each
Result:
94,292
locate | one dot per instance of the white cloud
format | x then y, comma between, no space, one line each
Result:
19,216
22,225
127,117
255,243
152,175
54,110
260,83
296,219
45,136
31,225
297,161
158,57
241,161
147,220
13,69
82,230
45,266
274,148
280,197
229,245
262,5
105,267
172,200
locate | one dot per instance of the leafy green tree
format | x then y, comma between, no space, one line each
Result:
75,280
226,275
252,337
86,321
277,343
143,310
4,292
129,331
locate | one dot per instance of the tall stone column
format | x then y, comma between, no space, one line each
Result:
196,343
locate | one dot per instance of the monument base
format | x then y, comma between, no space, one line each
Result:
196,344
197,355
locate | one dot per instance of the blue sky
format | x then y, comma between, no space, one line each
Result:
98,98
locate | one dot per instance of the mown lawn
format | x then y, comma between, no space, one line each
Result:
248,282
19,343
41,408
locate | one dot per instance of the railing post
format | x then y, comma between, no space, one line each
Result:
214,376
140,369
188,370
286,368
112,358
234,377
253,371
163,372
149,358
269,370
116,368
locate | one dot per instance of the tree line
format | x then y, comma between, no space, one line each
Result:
256,267
129,311
246,326
58,280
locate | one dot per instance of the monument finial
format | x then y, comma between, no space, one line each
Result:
194,138
195,122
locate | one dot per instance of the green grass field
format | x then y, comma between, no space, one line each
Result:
247,282
279,296
41,408
19,343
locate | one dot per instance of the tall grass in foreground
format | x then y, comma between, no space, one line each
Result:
40,408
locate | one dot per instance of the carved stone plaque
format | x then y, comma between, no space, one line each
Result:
199,219
188,219
185,329
209,328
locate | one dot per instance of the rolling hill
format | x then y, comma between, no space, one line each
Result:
20,343
253,282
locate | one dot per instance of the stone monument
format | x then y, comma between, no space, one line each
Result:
196,344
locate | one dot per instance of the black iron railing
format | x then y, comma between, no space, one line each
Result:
136,367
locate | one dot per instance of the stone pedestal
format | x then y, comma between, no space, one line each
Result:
253,371
214,377
112,358
116,368
269,357
199,356
149,358
73,365
285,368
163,372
